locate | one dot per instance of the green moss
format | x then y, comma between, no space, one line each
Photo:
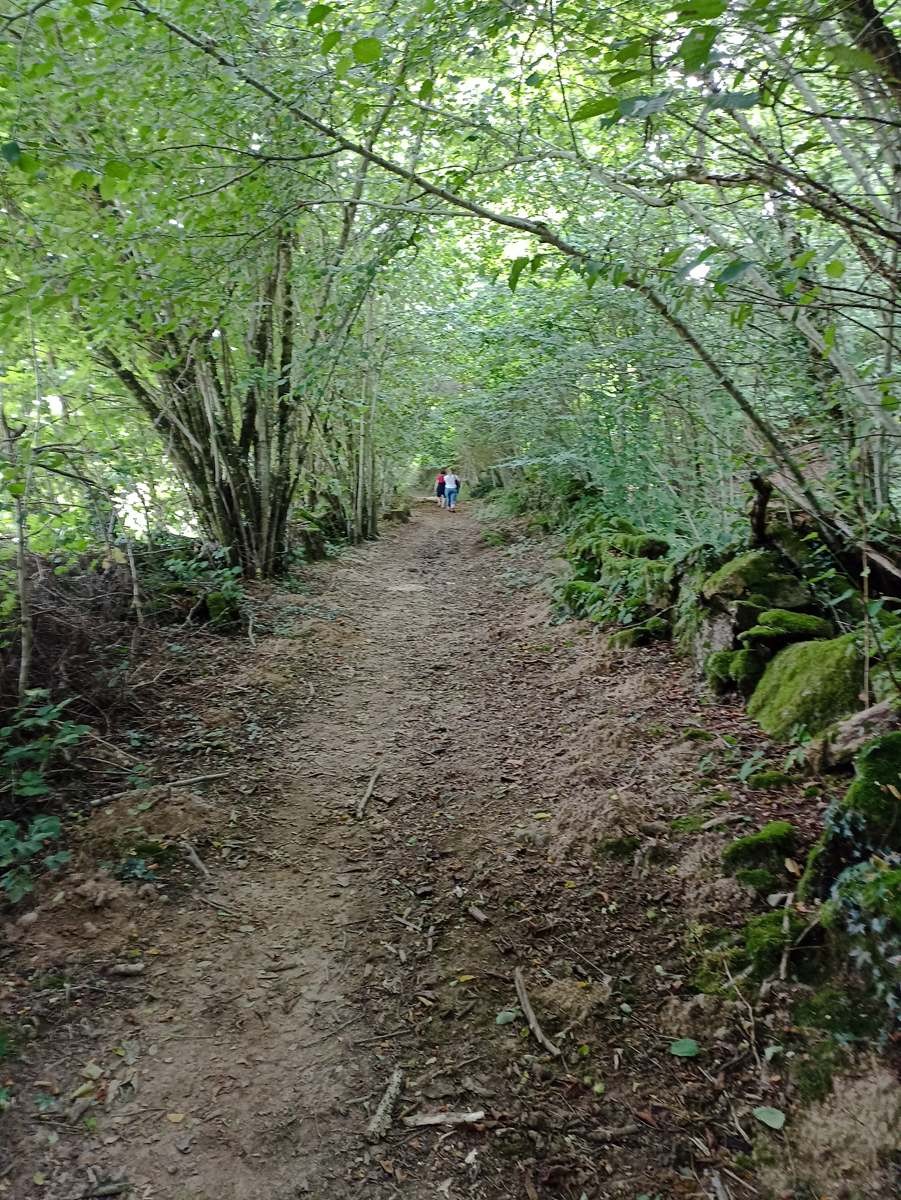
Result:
618,847
640,545
766,936
871,798
745,669
865,822
579,595
656,628
779,626
624,639
810,882
690,823
757,573
759,878
223,609
841,1012
768,780
696,734
496,537
774,841
807,686
717,670
715,965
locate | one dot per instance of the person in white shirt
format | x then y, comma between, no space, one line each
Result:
451,488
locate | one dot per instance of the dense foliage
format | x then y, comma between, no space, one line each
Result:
259,261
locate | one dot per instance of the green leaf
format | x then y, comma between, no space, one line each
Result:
672,257
330,41
367,50
702,10
643,106
733,101
596,108
835,269
426,89
519,265
851,59
685,1048
506,1016
116,169
734,270
83,179
696,46
774,1117
12,152
318,13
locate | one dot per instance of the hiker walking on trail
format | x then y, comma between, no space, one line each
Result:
440,488
451,488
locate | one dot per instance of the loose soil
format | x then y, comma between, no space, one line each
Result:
225,1029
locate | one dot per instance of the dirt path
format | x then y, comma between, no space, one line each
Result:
275,999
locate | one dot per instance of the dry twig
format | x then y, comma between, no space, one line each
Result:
370,787
529,1014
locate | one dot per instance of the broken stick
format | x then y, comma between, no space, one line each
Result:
370,787
529,1014
381,1118
194,858
444,1118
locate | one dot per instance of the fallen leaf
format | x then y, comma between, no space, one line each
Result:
175,1117
792,866
685,1048
774,1117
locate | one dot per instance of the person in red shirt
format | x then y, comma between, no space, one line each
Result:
439,488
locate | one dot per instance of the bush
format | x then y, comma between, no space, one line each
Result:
19,847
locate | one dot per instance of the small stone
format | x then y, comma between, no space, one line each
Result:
28,918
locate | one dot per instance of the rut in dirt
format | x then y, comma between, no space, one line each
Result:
437,758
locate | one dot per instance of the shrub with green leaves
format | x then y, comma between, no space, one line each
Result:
34,737
20,846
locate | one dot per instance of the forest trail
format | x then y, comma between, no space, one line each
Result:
335,949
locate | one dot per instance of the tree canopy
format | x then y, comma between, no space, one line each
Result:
262,260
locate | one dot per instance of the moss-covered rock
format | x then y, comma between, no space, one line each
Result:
768,846
778,627
865,822
849,1013
768,780
746,668
717,670
766,937
757,573
865,919
872,802
639,545
761,879
807,686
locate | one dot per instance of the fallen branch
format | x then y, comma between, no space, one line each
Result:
370,787
444,1118
194,858
614,1133
381,1118
477,915
529,1014
176,783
